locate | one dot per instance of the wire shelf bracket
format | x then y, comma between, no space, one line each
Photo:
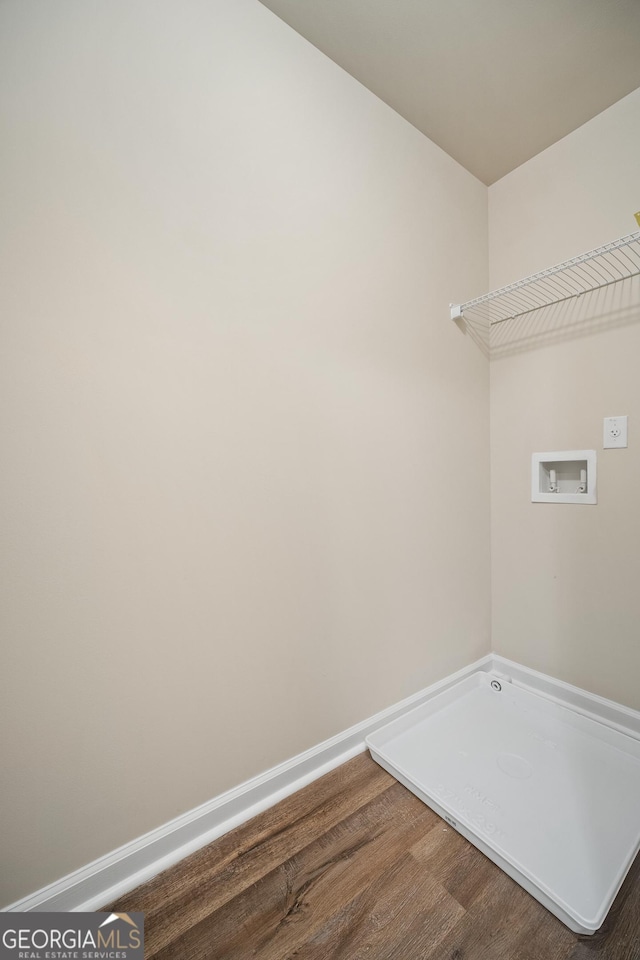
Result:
611,263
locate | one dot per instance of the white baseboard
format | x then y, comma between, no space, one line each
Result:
115,874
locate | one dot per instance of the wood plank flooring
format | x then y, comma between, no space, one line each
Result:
353,867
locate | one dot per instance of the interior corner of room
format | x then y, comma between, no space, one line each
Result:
257,488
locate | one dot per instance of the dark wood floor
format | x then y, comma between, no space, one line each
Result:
354,867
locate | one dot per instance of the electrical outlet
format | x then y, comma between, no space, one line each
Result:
615,432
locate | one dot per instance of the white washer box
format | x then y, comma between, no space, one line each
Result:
564,476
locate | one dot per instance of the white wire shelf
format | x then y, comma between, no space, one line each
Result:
615,261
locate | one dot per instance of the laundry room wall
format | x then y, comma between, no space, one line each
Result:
244,458
565,576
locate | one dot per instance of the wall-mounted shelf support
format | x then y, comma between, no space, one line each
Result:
611,263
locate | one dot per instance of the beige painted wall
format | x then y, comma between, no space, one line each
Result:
565,577
244,454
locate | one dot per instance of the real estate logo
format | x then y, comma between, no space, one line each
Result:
71,936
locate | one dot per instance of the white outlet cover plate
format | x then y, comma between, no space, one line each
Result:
615,432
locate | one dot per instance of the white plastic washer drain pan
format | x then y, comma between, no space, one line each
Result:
551,796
